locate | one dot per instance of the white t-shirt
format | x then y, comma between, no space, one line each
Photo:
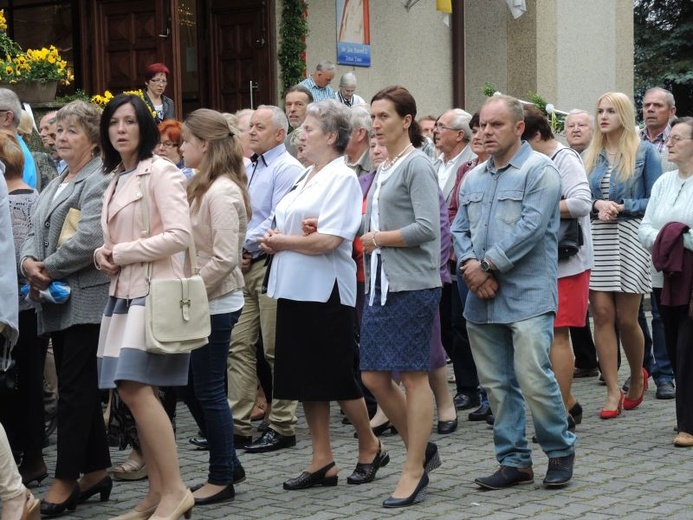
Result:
334,196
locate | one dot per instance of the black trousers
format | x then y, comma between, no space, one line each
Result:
82,445
678,331
583,345
22,413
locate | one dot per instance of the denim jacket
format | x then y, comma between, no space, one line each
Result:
635,192
511,217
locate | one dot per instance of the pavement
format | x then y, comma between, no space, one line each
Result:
625,468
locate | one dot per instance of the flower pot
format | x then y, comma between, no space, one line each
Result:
34,92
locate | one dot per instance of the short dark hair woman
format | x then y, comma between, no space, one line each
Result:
129,135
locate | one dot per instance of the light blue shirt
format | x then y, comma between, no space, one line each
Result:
319,93
29,175
269,179
510,216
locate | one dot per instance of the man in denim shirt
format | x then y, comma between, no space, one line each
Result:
505,237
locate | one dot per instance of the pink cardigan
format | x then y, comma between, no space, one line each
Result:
123,229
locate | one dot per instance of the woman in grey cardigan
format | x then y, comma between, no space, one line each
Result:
402,260
74,197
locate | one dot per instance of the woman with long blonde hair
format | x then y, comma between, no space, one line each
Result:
622,170
219,210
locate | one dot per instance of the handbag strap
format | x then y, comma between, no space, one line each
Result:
192,253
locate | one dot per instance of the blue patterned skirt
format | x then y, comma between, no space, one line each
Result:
397,335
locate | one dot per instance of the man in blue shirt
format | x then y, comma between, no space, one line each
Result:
271,175
319,81
505,238
10,115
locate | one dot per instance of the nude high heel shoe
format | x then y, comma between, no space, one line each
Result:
184,508
137,515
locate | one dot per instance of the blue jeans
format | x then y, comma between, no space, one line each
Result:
514,368
205,395
656,359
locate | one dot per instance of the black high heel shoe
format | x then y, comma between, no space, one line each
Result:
52,510
417,496
364,473
381,429
576,412
307,480
432,459
103,486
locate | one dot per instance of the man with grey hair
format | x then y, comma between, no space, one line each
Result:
319,81
452,136
10,115
356,153
347,87
579,127
271,175
658,109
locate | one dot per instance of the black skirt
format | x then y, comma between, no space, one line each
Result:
315,351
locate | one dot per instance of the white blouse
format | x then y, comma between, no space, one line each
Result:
334,196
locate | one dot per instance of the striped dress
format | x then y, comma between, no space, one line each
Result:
621,264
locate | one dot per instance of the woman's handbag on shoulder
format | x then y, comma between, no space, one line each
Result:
569,238
176,309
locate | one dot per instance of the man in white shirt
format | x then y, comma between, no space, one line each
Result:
271,175
452,135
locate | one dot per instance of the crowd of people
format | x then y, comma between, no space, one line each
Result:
347,260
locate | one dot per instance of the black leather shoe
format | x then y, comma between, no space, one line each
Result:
307,480
52,510
576,413
432,460
364,473
490,419
242,441
446,427
271,441
199,442
103,486
560,471
506,476
481,413
417,496
225,495
465,402
238,474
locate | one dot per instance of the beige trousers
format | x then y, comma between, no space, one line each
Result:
10,481
259,316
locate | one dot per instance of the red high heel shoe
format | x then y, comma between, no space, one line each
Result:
629,404
612,414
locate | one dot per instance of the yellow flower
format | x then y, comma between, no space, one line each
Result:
9,70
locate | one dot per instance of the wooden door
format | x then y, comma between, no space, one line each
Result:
240,54
126,36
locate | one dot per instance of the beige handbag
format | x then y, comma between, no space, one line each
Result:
176,310
69,225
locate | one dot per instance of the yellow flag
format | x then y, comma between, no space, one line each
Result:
444,5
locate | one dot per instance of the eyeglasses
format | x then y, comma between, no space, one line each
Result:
438,126
167,144
673,139
161,81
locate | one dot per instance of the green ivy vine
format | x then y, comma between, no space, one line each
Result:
293,30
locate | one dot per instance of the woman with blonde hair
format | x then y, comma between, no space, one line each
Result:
219,208
622,170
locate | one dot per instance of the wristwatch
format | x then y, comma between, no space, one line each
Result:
485,266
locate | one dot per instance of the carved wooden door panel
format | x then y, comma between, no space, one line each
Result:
126,36
240,54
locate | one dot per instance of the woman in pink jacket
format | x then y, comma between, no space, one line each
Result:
128,137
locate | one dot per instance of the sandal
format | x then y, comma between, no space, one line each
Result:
131,469
258,412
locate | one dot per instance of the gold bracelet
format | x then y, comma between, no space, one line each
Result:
373,240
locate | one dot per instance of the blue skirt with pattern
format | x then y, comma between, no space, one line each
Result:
397,335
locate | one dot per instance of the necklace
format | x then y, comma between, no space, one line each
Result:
389,162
